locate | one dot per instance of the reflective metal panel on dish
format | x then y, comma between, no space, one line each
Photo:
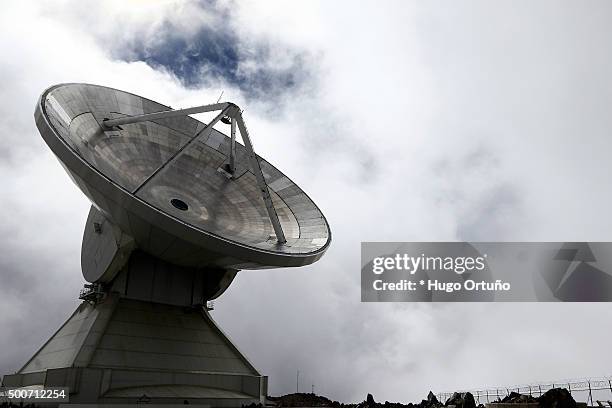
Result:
192,213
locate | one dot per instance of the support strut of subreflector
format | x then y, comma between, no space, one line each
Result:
227,110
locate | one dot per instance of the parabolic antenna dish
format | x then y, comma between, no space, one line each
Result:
170,191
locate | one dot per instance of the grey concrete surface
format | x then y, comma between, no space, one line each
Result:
121,349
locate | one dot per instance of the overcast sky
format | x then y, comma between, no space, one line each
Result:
404,121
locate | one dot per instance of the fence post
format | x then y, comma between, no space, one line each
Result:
590,393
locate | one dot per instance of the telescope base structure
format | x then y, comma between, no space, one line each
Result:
128,351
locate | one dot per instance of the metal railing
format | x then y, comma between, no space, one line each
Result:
587,390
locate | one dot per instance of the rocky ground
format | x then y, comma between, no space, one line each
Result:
553,398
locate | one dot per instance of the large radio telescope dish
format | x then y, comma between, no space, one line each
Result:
172,184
